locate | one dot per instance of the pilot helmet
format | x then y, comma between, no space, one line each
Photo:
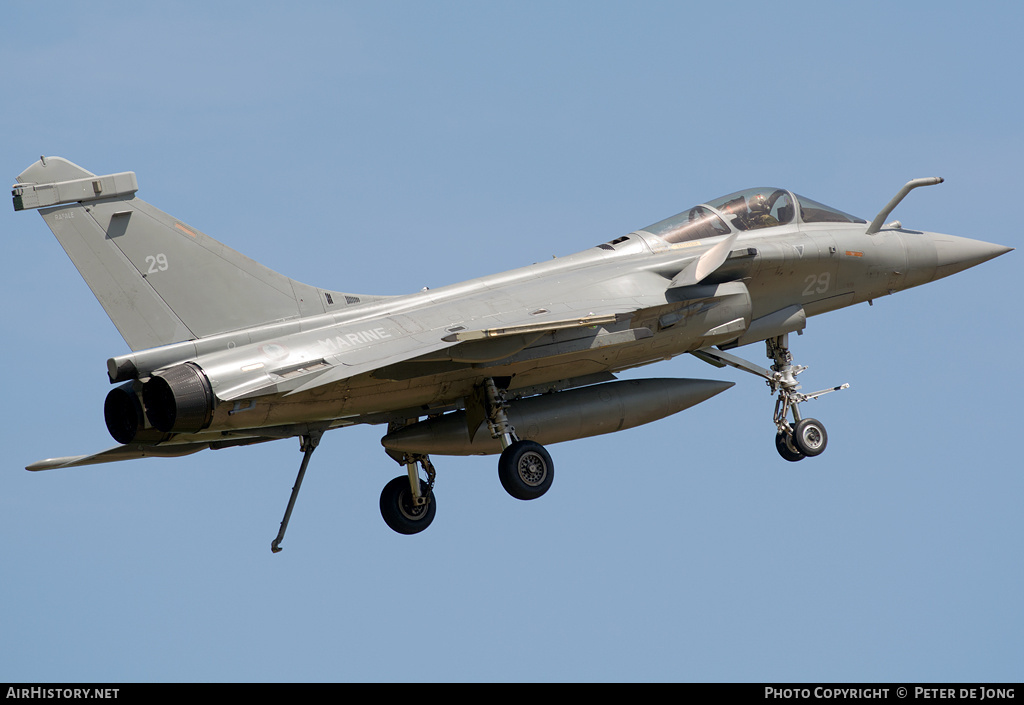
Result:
758,203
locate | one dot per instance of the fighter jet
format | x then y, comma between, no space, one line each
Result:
226,352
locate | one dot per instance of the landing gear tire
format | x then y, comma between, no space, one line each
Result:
525,470
784,445
809,437
398,510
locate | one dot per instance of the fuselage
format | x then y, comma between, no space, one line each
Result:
805,269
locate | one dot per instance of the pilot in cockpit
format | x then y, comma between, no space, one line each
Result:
760,213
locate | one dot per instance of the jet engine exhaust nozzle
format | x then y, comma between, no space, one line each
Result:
179,399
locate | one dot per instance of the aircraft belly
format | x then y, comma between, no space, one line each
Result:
364,395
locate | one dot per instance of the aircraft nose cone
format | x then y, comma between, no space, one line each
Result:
955,254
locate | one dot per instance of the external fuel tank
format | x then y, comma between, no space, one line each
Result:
560,416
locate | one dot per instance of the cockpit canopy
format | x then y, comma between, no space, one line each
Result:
746,210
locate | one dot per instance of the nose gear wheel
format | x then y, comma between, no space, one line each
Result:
809,437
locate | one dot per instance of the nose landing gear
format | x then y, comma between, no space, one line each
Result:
804,437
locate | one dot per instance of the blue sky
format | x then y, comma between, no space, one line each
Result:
383,147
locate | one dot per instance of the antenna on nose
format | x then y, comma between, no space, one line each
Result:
876,224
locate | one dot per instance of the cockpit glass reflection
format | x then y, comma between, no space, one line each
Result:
756,208
752,209
697,223
814,212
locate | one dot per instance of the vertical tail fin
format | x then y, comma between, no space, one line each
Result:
159,280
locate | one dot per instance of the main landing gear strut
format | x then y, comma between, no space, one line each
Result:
804,437
524,468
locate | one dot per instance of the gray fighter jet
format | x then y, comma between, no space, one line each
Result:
225,352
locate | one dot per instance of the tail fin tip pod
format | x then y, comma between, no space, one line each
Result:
53,181
159,280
